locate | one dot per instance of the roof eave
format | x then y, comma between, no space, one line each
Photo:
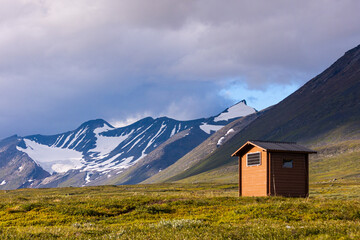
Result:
309,152
235,154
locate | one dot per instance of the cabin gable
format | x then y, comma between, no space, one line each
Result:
253,177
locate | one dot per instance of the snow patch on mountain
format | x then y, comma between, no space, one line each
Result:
173,131
111,164
106,144
87,177
126,162
230,131
134,138
222,139
77,135
53,159
208,127
102,129
3,183
238,110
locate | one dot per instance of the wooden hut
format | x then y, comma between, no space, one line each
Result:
273,168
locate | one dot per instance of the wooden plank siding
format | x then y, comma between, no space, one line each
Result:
240,174
253,180
290,182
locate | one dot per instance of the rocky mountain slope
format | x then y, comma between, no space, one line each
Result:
195,157
96,152
180,145
17,169
323,112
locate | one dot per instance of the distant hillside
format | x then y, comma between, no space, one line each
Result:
326,110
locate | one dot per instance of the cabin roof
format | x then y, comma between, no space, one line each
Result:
274,147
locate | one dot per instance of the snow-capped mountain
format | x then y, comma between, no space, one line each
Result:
238,110
96,147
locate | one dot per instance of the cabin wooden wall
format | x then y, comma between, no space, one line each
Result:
292,182
254,178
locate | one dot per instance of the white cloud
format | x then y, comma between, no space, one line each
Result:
129,119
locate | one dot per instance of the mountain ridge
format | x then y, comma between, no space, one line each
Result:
96,151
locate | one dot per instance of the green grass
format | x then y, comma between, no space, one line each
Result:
221,175
179,211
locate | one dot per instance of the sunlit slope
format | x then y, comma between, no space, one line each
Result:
336,161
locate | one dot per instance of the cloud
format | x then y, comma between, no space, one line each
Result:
64,62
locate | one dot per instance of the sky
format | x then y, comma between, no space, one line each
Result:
65,62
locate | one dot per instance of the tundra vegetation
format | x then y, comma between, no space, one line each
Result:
180,211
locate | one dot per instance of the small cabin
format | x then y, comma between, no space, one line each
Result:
273,169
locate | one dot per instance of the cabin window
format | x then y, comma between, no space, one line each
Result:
287,163
253,159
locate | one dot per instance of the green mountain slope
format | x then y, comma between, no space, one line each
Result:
335,161
325,111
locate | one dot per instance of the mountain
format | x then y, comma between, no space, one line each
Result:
176,147
324,113
17,169
194,157
97,153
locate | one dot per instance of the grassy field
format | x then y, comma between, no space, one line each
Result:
179,211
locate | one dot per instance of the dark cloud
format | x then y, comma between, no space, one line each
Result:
64,62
